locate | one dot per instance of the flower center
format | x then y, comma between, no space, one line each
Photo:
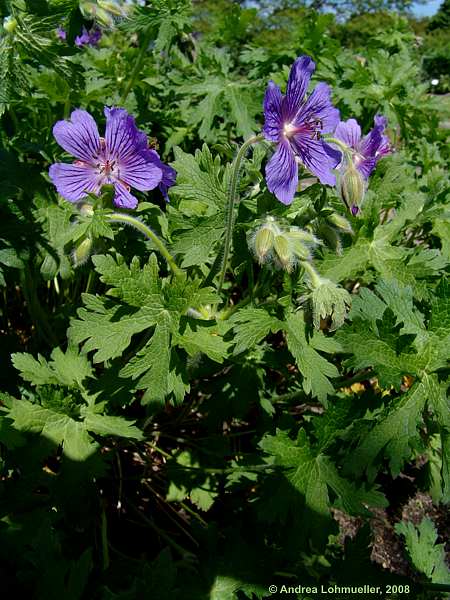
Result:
289,130
311,128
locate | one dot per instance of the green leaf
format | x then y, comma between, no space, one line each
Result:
68,369
352,262
55,426
368,350
152,363
203,337
315,369
395,431
400,301
133,285
107,425
197,243
304,486
107,327
251,326
237,99
199,178
425,554
190,482
440,309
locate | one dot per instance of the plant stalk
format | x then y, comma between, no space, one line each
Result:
137,67
149,234
231,200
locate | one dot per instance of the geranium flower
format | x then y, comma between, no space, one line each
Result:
61,33
368,150
122,158
88,38
296,123
169,174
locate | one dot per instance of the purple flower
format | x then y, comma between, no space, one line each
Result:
61,34
296,124
122,158
88,38
368,150
169,174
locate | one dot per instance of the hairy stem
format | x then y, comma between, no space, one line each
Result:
137,67
231,200
345,149
140,226
315,278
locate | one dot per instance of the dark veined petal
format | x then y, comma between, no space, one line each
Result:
169,175
371,143
349,132
319,158
83,38
79,136
380,121
122,137
318,107
384,148
298,81
123,198
282,173
139,172
366,166
74,181
273,123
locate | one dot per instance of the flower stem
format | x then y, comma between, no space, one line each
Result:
345,149
140,226
137,67
316,279
231,200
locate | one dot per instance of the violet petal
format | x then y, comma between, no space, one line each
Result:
349,132
272,112
282,173
298,81
366,166
318,107
74,181
123,198
318,157
79,136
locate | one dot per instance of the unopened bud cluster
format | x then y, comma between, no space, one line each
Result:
9,24
282,247
351,187
102,11
329,228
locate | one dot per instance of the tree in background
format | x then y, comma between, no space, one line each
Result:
441,19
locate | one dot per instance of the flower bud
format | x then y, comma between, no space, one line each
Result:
351,188
82,252
9,24
283,251
112,8
329,301
340,222
87,210
264,243
301,242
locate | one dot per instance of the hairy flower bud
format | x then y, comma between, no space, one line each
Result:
283,251
281,246
264,243
340,222
351,188
329,301
9,24
82,252
87,210
301,242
